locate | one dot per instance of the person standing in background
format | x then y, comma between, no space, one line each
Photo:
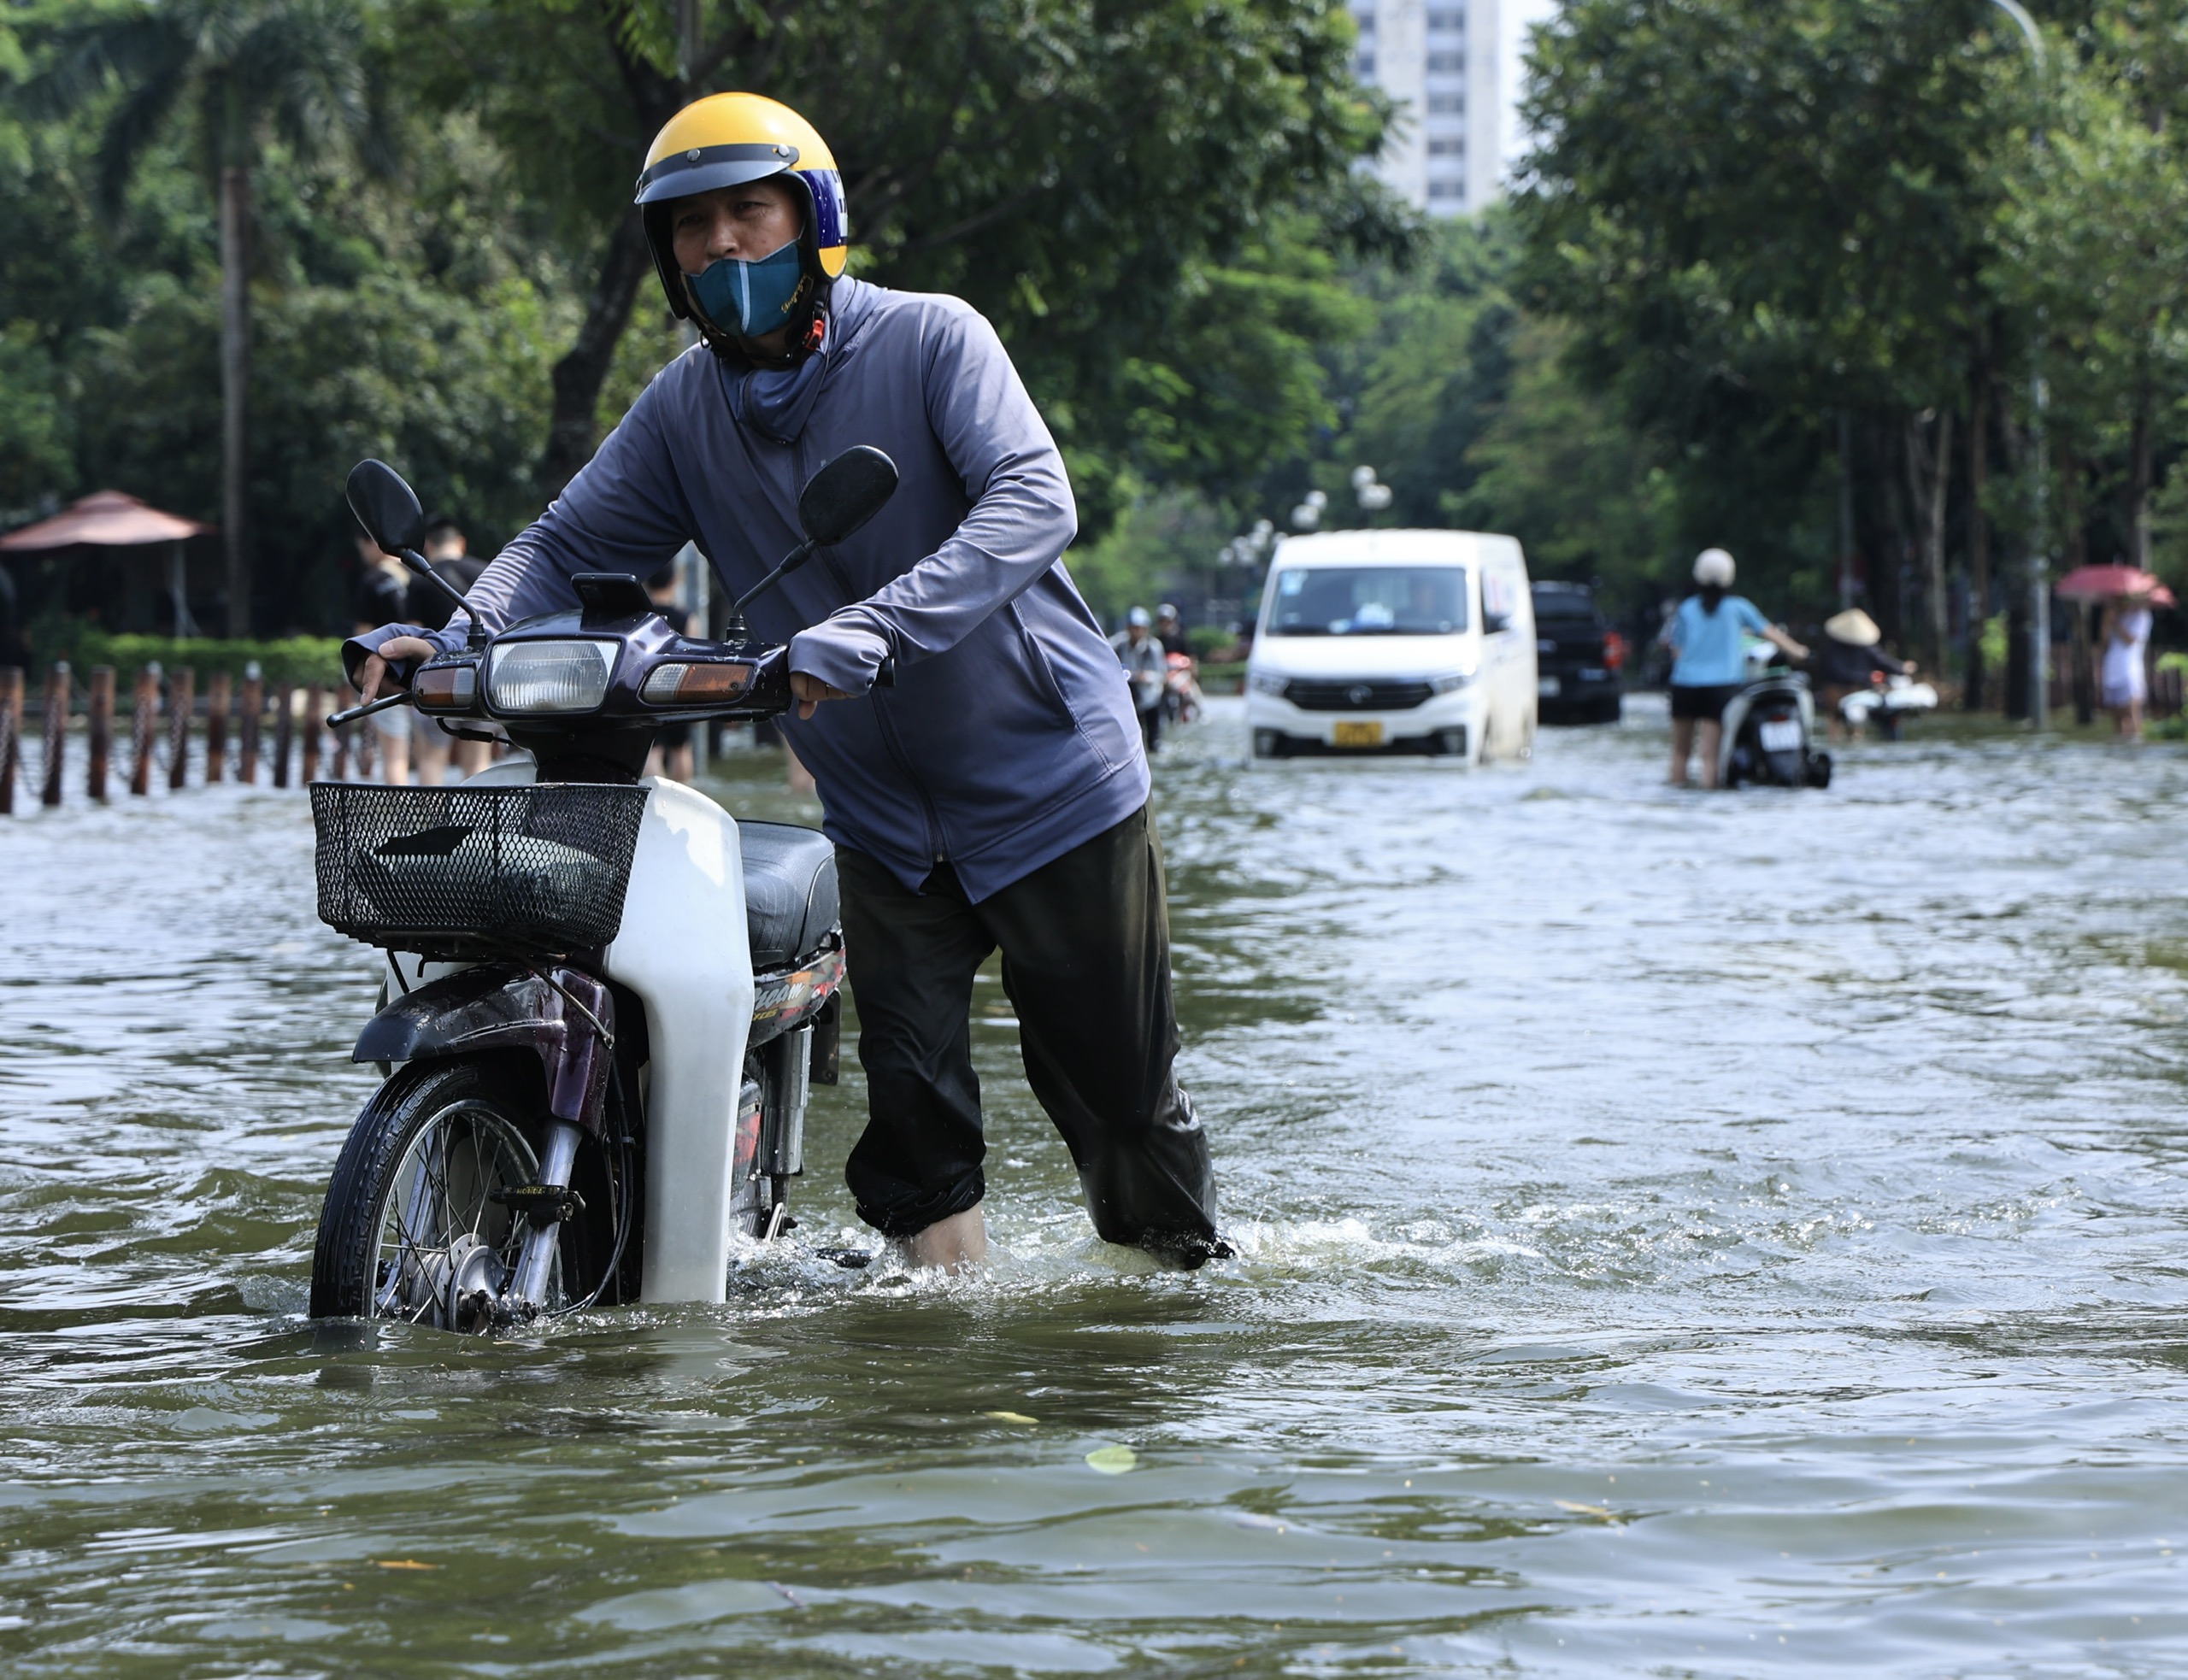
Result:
433,744
382,587
671,755
1145,668
1710,662
2123,684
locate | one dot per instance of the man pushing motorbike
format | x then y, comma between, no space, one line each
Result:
996,796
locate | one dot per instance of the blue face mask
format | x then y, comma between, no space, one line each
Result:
749,298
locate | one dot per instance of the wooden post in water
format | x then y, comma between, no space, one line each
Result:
182,701
57,730
254,710
11,735
284,730
314,703
143,727
217,694
101,712
344,698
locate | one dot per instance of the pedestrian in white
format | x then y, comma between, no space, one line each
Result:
2122,684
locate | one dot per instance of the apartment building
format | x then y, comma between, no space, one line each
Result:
1453,67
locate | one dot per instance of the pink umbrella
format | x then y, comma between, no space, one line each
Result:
2105,582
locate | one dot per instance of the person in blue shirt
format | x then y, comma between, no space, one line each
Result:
1709,663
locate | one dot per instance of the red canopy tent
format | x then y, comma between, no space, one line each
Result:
109,519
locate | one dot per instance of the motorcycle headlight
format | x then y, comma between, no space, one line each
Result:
1267,682
1450,680
549,676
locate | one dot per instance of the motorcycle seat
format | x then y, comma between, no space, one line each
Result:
790,891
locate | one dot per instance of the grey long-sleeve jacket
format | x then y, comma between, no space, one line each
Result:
1008,737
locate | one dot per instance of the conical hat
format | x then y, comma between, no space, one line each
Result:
1855,627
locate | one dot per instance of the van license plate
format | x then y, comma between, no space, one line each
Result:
1548,687
1781,735
1356,734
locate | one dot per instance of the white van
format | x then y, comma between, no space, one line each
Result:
1395,642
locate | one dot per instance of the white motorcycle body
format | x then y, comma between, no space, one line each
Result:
683,949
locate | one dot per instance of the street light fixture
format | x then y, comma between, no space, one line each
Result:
2039,558
1372,496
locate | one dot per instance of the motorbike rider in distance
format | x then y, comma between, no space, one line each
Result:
997,795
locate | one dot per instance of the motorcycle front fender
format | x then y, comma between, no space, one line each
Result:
497,1006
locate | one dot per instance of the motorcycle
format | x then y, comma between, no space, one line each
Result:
1887,706
1181,693
1769,728
609,999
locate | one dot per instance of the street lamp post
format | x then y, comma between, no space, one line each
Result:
2039,393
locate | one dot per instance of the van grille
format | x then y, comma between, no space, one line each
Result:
1356,696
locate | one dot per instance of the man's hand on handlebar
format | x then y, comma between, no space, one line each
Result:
811,691
374,673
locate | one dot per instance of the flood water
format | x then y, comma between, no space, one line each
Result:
1680,1235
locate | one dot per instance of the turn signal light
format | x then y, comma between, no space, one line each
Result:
452,686
695,684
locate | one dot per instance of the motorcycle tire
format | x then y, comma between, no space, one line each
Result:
477,1118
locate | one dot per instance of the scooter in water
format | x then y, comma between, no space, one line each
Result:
1769,728
1887,706
609,999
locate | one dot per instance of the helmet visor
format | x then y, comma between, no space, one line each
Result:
703,168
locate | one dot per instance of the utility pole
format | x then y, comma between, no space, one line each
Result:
2039,396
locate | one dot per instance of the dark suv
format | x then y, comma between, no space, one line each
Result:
1577,656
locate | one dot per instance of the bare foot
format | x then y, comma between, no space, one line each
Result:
958,1243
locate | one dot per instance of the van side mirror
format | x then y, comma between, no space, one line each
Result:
387,507
1494,623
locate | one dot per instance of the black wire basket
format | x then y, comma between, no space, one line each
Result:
454,872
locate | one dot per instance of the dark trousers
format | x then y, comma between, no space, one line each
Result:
1085,943
1151,726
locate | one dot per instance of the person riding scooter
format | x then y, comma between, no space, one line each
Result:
1710,661
976,757
1849,660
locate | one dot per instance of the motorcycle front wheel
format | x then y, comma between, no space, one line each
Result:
414,1226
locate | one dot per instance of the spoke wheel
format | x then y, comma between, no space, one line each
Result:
413,1230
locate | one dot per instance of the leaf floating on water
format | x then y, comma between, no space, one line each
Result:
1112,1461
1587,1510
403,1563
1010,1417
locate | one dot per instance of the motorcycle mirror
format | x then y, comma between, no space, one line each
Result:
845,494
387,507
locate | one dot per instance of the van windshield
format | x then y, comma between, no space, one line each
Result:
1369,601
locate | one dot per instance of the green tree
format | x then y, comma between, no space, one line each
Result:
1760,214
1093,176
2094,240
240,73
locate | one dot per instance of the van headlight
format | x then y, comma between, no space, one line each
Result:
1451,681
527,677
1267,682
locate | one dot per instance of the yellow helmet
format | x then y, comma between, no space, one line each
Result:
728,139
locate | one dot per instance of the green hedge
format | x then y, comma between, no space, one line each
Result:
292,662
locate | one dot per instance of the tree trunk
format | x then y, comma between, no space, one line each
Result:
1849,571
235,390
2140,477
1929,476
574,432
2070,508
1978,525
